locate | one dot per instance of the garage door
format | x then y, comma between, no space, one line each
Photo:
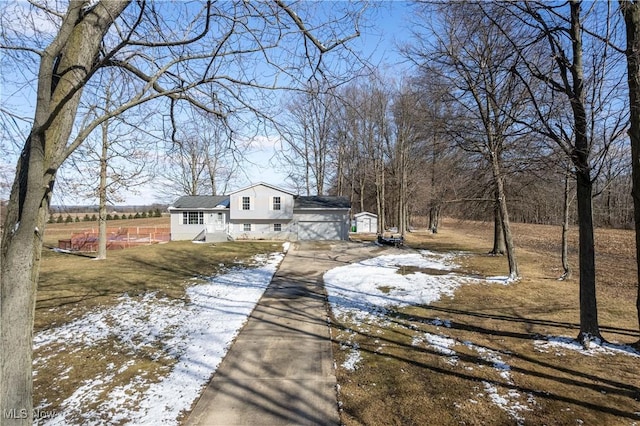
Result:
319,230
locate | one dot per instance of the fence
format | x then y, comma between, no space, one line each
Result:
117,238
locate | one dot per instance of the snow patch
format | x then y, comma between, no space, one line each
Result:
509,402
560,345
363,292
196,334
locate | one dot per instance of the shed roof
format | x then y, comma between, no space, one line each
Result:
361,214
201,202
322,202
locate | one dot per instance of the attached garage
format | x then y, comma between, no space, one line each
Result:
322,218
320,231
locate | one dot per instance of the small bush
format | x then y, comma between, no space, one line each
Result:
69,219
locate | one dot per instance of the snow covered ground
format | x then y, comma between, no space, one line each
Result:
195,334
362,293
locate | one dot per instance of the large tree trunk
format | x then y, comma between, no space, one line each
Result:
21,252
434,218
589,327
65,66
402,190
631,13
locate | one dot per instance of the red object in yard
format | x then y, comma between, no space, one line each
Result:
117,238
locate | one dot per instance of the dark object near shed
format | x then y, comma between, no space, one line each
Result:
395,240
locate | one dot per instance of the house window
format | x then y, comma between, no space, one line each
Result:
193,218
277,227
276,203
246,227
246,203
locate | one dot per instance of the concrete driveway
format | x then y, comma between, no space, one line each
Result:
280,368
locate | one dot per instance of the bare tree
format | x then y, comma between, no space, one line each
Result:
407,151
121,153
362,141
475,59
309,137
586,91
203,60
201,158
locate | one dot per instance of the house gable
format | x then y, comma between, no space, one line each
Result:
261,202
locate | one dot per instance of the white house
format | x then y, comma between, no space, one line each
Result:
260,211
366,222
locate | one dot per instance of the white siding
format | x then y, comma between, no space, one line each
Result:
262,230
180,231
261,197
366,223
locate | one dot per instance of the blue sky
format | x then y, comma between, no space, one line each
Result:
385,25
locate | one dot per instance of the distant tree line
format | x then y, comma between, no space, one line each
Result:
94,218
401,150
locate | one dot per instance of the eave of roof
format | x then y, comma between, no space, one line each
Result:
201,202
324,202
263,184
365,214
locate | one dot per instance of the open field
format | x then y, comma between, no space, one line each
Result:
485,355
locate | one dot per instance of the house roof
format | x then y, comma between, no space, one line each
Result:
321,202
201,202
263,184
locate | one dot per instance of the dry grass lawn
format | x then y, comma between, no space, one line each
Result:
71,285
400,383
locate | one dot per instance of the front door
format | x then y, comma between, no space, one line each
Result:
219,221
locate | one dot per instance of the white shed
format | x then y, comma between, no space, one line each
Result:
366,222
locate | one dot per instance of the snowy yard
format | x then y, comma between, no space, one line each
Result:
363,294
191,337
